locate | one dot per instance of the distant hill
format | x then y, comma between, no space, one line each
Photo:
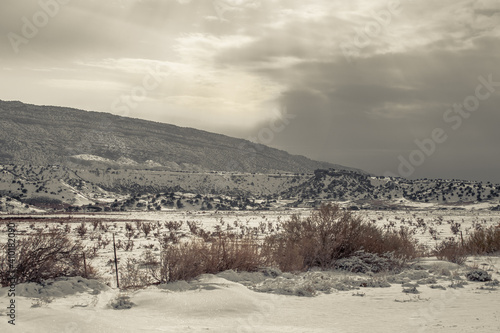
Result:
335,185
24,188
47,135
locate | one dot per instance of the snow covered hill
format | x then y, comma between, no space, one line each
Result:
45,135
63,188
379,192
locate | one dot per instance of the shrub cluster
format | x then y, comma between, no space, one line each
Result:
479,242
45,256
324,240
187,260
484,241
331,234
451,251
478,275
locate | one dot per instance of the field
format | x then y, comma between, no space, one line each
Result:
430,295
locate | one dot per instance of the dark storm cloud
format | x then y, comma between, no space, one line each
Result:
368,113
372,123
236,66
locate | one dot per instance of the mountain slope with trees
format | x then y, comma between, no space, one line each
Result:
46,135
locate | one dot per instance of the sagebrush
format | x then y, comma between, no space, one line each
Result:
331,234
45,255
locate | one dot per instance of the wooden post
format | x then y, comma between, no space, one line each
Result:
462,237
116,263
85,265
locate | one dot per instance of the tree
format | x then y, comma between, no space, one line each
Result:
179,204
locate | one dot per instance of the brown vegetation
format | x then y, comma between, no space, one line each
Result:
44,256
330,234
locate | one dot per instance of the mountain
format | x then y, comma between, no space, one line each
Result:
48,135
54,158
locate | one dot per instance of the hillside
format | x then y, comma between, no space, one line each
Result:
46,135
23,188
54,158
377,192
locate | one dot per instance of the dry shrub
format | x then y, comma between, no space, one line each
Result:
95,224
229,252
484,241
45,256
451,251
330,234
81,229
401,243
146,228
182,261
132,276
481,241
129,245
283,254
185,261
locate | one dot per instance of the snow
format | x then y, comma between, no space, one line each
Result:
89,157
126,161
256,302
14,206
215,304
59,288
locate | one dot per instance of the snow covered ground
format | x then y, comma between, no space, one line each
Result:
215,304
254,302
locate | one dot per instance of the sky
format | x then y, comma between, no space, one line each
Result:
404,88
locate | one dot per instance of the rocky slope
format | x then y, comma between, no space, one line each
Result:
45,135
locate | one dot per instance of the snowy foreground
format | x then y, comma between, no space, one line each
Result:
216,304
444,300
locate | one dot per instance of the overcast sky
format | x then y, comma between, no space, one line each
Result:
349,82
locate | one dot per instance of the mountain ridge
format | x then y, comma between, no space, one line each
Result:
47,135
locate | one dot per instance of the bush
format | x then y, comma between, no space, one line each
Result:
45,256
185,261
146,227
484,241
481,241
451,251
478,275
122,302
131,276
329,235
81,230
182,261
363,262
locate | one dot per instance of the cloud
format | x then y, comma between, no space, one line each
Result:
230,64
